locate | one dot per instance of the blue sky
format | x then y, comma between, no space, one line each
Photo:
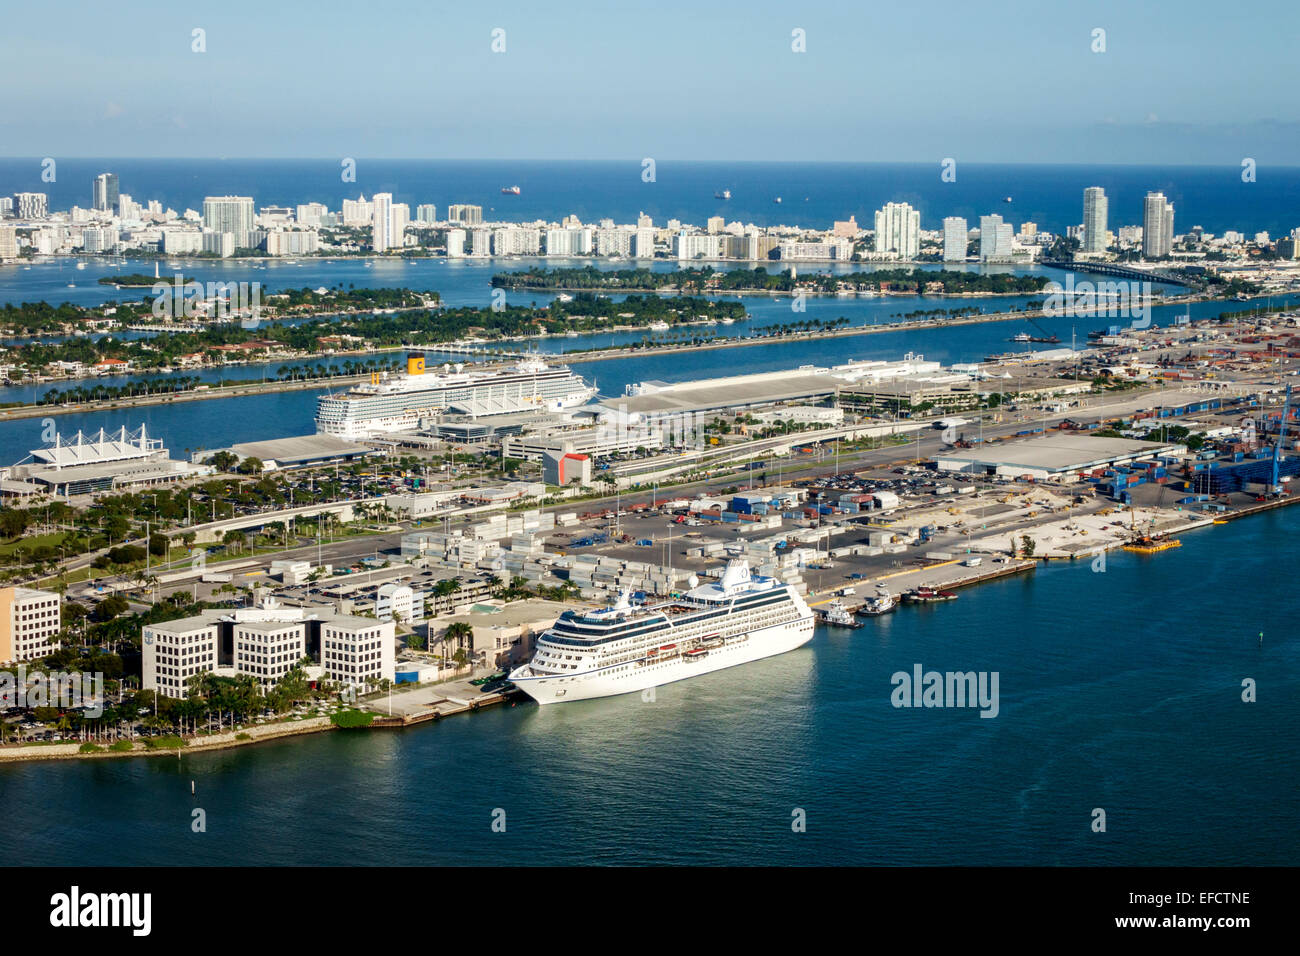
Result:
1179,82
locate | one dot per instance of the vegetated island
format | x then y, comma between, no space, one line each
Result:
709,281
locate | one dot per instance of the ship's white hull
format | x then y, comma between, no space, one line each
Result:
612,681
361,428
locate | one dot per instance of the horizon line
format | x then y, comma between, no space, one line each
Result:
637,160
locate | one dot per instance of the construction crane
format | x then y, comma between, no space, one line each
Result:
1275,488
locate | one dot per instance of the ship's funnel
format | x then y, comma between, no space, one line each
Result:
415,365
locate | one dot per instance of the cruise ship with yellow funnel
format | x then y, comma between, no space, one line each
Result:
394,403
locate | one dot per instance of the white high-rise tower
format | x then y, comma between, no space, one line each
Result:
1095,209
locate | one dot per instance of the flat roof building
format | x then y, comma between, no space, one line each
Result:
267,642
1050,457
30,621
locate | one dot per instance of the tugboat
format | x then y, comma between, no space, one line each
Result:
881,603
927,595
837,615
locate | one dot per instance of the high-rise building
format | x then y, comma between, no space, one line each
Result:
455,243
232,214
643,242
898,230
996,237
6,207
694,245
381,223
954,239
29,624
30,205
292,242
614,242
8,243
466,214
426,212
104,192
358,212
480,242
575,241
715,224
401,219
1157,226
846,229
99,239
516,241
219,243
1095,210
311,214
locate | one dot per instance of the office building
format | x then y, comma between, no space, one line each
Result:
955,236
267,642
1157,226
29,624
104,192
1095,209
898,230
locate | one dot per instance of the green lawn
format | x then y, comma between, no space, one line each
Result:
34,541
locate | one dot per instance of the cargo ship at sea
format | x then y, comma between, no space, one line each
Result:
626,647
395,403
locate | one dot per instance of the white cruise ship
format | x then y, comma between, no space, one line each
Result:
394,403
626,648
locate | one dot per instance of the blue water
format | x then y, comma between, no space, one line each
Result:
1119,690
218,423
814,194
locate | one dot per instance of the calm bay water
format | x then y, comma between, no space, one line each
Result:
218,423
1119,690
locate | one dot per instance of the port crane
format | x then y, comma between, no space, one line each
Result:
1275,488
